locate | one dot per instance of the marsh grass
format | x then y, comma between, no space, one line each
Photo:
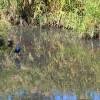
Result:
80,16
4,27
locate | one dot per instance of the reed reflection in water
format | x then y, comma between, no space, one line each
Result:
52,60
17,62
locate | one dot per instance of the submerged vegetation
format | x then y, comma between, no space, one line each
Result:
81,16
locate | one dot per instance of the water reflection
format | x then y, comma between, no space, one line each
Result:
17,62
1,97
51,60
26,95
63,96
1,41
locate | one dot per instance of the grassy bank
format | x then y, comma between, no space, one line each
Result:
4,27
4,24
80,16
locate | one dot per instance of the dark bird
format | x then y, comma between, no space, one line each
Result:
11,42
18,48
1,41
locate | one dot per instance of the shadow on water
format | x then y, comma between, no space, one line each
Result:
55,66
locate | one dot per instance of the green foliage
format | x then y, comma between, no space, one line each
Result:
79,15
2,5
91,15
4,26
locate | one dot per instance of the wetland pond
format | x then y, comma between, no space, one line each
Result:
54,65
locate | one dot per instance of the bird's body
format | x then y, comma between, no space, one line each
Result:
17,49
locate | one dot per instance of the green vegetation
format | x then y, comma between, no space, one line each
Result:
80,15
4,27
55,59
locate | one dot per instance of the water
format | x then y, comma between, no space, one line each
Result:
52,65
24,95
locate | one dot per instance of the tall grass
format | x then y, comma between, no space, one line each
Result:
81,16
4,27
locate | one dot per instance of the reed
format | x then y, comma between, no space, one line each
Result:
80,16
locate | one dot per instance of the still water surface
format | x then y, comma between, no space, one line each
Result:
53,66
